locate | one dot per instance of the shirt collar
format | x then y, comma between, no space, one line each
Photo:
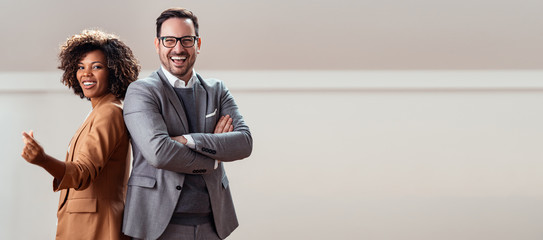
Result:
178,83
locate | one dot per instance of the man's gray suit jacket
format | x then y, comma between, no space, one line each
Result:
153,114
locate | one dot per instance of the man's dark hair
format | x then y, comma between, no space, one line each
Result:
176,13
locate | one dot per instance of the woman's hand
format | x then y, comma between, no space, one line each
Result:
32,151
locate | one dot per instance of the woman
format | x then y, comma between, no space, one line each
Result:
92,179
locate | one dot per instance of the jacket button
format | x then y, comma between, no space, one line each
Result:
178,187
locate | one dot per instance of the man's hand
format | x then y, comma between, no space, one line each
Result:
180,139
224,125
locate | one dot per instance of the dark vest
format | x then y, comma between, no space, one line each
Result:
194,206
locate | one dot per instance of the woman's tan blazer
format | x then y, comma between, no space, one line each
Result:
94,185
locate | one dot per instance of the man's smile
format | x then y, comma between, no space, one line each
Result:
178,60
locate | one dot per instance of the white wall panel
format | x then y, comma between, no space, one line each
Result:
337,154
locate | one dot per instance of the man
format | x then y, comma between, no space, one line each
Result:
183,129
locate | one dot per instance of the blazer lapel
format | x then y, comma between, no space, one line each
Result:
70,156
200,98
172,97
106,99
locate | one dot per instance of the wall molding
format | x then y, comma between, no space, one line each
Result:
321,81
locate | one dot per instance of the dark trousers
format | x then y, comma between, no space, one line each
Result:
204,231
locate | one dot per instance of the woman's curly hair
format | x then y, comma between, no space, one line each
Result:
123,67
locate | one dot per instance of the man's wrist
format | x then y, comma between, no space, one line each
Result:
189,141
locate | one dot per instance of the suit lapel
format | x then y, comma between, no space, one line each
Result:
70,157
75,138
106,99
200,98
170,94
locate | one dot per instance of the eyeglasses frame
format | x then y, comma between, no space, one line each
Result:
178,39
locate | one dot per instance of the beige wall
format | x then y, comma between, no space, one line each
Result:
340,152
294,34
337,154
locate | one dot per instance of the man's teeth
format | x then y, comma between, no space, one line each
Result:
179,58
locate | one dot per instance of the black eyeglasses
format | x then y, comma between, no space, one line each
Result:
186,41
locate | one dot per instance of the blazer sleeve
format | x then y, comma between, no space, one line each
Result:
149,133
231,146
94,148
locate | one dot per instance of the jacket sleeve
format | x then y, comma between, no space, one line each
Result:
94,148
231,146
149,133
